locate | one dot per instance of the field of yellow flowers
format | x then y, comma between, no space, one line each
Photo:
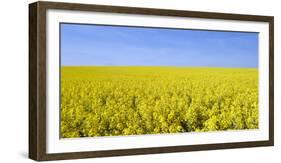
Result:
132,100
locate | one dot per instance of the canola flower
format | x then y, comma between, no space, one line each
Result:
111,101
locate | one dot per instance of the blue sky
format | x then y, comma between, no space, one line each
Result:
131,46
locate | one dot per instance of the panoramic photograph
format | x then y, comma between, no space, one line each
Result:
120,80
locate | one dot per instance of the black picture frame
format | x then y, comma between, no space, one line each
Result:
37,79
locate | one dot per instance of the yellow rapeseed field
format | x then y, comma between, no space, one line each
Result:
132,100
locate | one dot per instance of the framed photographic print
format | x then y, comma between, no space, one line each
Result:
112,81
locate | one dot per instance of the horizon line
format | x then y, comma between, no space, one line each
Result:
150,66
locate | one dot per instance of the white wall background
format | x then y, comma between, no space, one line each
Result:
14,80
